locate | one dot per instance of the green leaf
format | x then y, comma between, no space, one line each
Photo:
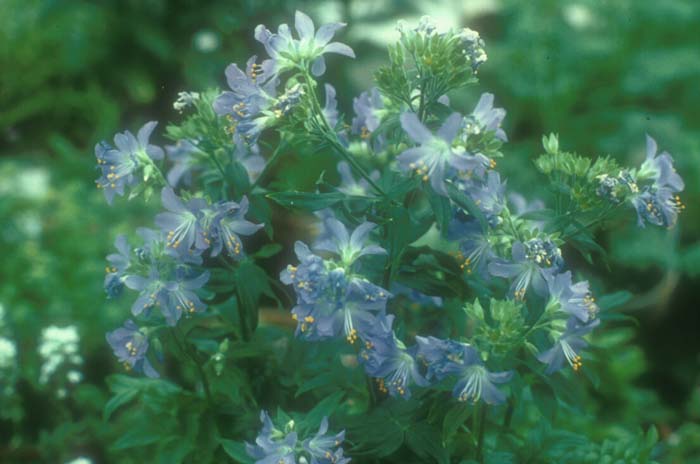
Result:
307,201
545,399
442,209
424,440
236,450
614,300
118,400
325,408
141,433
251,284
454,418
466,203
268,250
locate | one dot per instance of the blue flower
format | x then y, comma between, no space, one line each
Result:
475,250
182,155
173,297
288,53
329,302
388,360
120,165
252,93
660,169
368,109
130,346
348,183
474,381
489,196
568,346
435,154
437,354
307,277
574,299
227,225
272,446
323,448
486,118
657,206
180,223
330,110
118,263
349,247
531,262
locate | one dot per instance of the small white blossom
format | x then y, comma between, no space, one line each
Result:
58,346
8,352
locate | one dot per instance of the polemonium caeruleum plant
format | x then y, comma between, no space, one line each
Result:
429,319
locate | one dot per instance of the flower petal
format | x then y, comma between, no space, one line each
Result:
414,128
339,48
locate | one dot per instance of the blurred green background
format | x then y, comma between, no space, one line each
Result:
600,73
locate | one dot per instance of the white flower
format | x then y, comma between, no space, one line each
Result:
59,345
8,352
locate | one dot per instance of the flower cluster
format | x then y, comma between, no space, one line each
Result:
59,349
418,187
120,164
331,299
286,447
653,189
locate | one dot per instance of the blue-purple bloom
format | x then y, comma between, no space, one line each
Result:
387,359
120,165
398,369
659,167
475,250
287,53
325,449
658,203
349,247
657,206
252,92
445,358
118,263
568,346
330,110
182,155
489,196
437,354
225,224
530,263
486,118
474,381
130,346
180,222
329,302
173,297
368,112
435,155
574,299
272,446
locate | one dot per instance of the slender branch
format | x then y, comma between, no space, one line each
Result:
482,429
332,137
508,417
186,350
270,162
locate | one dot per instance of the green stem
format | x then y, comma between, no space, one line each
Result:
508,417
242,320
332,138
186,350
482,430
270,163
